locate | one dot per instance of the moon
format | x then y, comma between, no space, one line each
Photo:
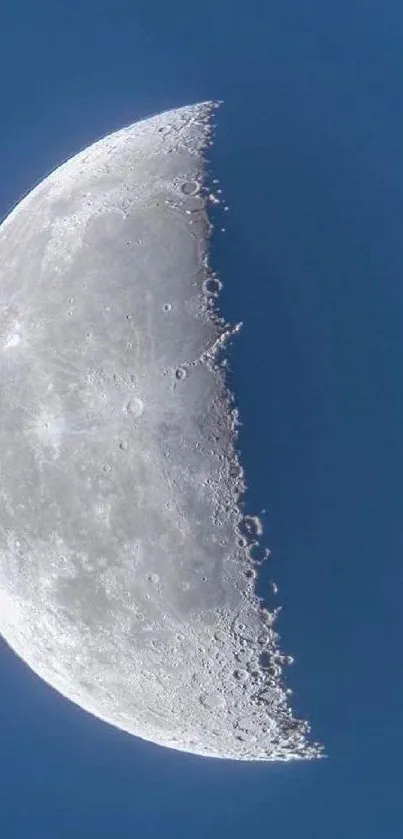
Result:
127,579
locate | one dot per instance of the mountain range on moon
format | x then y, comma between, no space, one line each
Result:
127,579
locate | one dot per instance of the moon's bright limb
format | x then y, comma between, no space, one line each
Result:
124,579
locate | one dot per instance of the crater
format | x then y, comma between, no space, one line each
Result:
135,407
190,187
180,373
212,286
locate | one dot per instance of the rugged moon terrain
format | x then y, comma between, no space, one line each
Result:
127,579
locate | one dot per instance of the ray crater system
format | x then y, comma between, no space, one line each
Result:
127,578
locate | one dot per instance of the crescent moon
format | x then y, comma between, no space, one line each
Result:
125,580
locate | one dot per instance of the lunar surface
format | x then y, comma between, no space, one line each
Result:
127,578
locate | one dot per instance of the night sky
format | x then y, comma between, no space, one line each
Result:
309,156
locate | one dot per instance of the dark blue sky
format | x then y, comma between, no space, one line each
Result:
309,153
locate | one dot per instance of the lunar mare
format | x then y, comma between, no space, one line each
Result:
126,580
